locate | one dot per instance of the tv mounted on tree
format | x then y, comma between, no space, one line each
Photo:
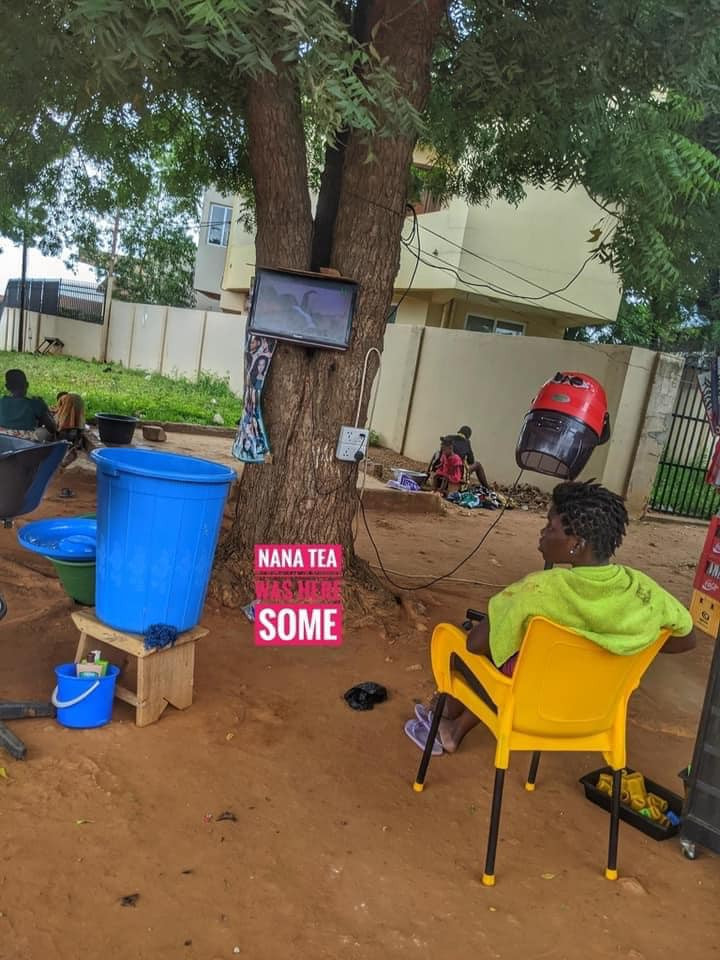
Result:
303,308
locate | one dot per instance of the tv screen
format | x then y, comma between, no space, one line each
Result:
303,308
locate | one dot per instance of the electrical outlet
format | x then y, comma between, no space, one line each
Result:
351,442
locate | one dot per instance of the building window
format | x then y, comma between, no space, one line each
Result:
219,225
392,315
508,328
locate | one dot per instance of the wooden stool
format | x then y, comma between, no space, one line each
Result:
164,675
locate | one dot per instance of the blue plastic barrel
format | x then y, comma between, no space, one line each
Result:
83,702
158,522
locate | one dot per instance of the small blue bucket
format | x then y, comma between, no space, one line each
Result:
83,702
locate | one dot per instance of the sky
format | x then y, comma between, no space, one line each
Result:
39,267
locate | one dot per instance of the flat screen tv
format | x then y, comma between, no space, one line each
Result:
303,308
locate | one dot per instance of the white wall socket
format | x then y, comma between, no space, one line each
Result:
351,442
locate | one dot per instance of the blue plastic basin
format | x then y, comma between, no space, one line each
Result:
64,538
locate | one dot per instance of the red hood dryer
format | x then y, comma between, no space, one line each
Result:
567,420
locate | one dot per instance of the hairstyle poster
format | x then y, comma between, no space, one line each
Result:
251,444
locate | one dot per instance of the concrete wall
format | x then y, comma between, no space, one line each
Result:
168,340
667,377
82,340
434,382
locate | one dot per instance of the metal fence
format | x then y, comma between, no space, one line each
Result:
59,298
680,486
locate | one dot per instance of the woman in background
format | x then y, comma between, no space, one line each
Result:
21,416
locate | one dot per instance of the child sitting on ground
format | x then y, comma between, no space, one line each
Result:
449,473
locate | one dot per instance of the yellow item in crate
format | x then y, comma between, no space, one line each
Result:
633,794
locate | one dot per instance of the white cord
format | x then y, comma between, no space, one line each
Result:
362,385
421,576
369,424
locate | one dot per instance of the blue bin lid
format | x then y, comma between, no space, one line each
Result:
64,538
162,466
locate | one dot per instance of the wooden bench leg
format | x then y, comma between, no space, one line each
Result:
84,646
180,676
165,677
150,701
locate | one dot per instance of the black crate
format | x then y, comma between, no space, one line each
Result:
701,824
637,820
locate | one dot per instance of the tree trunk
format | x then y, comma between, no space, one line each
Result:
305,495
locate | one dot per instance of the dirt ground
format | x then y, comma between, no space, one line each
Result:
332,855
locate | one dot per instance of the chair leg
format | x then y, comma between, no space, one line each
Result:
488,878
611,870
427,752
532,775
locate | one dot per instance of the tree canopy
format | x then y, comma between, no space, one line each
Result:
608,95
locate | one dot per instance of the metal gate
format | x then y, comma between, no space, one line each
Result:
680,486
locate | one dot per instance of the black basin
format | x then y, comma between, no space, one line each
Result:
115,428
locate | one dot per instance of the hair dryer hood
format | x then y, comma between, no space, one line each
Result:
567,420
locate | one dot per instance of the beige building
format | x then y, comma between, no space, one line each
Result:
214,235
488,269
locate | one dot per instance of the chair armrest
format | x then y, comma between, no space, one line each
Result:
448,640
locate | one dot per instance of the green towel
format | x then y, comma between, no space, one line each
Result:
616,607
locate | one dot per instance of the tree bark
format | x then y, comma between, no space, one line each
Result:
305,495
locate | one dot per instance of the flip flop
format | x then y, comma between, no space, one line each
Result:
423,714
419,733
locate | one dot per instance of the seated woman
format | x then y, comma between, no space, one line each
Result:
448,474
461,446
614,606
23,416
70,418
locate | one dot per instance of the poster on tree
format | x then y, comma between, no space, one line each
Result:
251,444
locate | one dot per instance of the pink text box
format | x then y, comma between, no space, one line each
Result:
298,558
301,625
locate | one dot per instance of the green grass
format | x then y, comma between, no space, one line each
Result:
110,388
682,490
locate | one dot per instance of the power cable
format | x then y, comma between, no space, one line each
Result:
517,276
444,576
546,291
414,234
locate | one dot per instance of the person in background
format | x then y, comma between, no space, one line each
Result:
449,470
23,416
620,609
70,416
461,446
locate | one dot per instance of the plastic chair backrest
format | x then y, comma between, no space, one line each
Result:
567,686
25,471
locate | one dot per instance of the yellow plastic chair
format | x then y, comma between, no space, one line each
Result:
566,693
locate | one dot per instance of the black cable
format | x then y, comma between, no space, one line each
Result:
450,268
351,475
444,576
517,276
414,234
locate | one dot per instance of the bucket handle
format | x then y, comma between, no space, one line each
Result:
61,705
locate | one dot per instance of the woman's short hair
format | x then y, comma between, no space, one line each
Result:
593,513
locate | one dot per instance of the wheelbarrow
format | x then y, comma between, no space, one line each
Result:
26,469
